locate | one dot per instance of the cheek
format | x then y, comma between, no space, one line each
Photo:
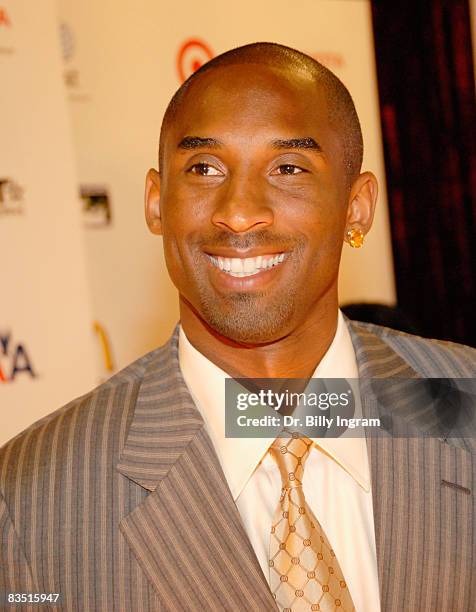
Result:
184,217
180,256
174,232
172,259
184,201
324,219
325,223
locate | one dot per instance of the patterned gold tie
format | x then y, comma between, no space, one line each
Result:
304,571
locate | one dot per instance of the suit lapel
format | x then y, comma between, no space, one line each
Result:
187,535
421,489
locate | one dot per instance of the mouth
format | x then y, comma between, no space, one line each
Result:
242,267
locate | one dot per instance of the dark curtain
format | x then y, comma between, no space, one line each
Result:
427,104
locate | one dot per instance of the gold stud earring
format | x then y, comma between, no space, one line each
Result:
355,237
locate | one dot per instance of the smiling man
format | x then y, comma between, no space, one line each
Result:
259,181
132,497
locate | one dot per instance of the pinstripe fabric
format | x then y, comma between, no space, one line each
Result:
97,499
425,529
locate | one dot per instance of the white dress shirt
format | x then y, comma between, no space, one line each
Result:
336,477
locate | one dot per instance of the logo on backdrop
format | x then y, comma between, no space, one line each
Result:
11,197
4,18
192,54
71,74
96,205
68,46
6,41
330,59
14,360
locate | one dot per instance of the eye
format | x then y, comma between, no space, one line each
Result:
204,169
289,169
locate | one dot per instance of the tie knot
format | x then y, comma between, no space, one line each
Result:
290,455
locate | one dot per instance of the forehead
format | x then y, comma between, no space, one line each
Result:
240,100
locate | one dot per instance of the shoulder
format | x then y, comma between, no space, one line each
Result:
430,358
93,423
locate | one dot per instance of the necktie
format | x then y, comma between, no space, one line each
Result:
304,571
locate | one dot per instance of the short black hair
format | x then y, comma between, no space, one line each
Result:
342,114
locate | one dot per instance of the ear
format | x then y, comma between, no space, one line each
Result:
152,201
362,201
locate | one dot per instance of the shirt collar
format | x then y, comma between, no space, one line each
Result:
240,456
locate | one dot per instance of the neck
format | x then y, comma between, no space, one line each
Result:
295,355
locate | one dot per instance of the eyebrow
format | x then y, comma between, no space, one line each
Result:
197,142
297,143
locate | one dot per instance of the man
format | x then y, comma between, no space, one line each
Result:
131,497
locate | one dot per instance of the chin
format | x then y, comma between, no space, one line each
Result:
246,336
249,326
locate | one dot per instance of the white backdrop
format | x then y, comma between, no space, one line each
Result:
122,61
121,70
46,345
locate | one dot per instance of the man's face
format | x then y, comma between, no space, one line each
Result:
253,202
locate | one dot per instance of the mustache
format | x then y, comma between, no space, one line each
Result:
258,238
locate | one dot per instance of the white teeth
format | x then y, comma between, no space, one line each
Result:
248,266
236,265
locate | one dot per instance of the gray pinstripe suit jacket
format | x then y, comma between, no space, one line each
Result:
118,502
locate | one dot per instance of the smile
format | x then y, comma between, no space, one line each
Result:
247,266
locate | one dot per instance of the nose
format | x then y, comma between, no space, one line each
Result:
242,206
